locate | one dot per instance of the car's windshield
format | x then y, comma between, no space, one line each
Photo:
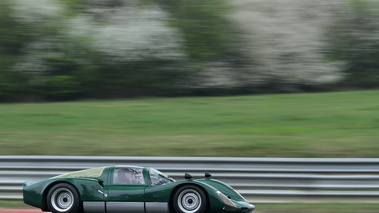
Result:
158,178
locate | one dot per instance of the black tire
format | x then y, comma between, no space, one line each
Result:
63,198
190,199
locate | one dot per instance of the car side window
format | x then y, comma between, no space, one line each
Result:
157,178
128,176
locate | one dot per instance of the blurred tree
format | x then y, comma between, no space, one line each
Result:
72,6
45,54
285,41
217,61
134,49
66,49
206,29
12,39
101,50
354,39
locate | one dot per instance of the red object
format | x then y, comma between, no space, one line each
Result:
20,211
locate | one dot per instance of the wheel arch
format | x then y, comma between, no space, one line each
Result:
51,185
188,184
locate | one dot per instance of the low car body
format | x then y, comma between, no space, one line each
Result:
124,189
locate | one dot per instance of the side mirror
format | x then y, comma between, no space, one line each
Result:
208,175
187,176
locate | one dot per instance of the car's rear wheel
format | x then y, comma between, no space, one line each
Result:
190,199
63,198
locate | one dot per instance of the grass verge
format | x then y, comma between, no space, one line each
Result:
337,124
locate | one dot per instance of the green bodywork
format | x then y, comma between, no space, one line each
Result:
35,193
100,187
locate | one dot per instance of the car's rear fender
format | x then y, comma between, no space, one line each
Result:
36,194
89,189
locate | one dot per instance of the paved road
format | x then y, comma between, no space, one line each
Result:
39,211
20,211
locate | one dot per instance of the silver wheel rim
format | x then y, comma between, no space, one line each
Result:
62,199
189,201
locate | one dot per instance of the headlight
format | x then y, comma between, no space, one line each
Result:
229,205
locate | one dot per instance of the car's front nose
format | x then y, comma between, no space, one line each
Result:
244,207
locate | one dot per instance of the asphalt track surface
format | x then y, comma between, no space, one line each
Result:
26,211
34,211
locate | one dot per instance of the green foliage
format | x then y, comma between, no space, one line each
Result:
13,37
13,86
354,39
52,52
140,78
57,63
204,25
72,5
62,87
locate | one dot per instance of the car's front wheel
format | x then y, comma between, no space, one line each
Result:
190,199
63,198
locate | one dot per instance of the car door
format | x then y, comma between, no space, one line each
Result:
126,193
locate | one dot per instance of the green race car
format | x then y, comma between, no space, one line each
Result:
132,189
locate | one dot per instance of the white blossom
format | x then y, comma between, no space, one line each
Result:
33,62
37,12
285,39
125,33
130,33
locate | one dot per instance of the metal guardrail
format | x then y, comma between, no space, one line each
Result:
257,179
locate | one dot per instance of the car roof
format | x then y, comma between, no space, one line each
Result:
128,166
